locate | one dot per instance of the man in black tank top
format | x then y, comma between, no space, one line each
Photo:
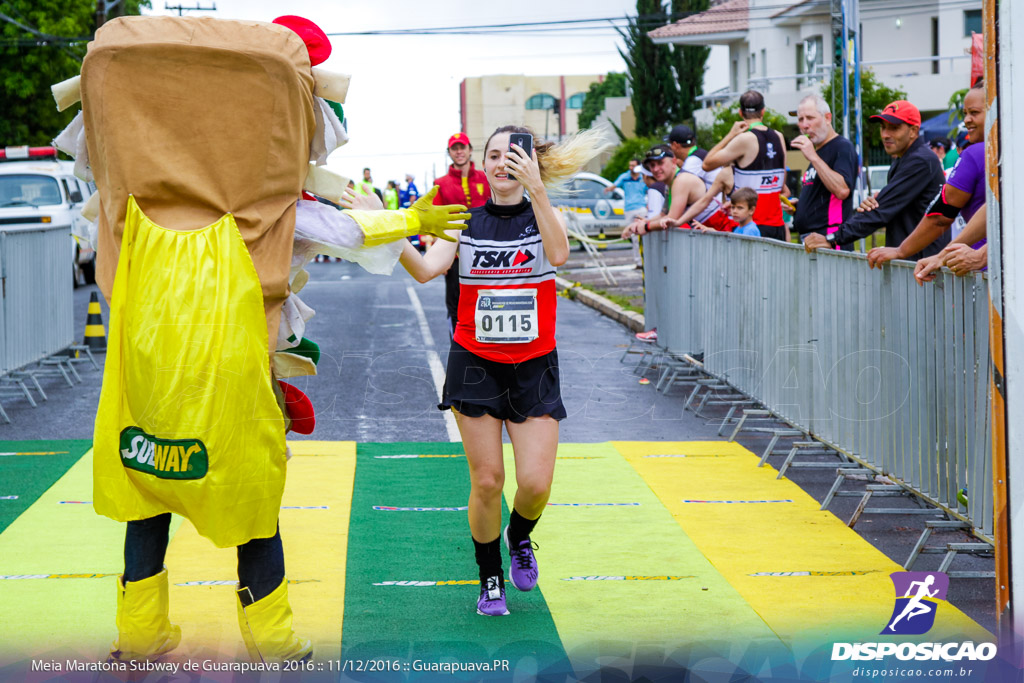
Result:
758,155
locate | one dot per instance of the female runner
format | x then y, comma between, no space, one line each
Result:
503,366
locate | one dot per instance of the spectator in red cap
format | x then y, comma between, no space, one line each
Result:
961,196
915,177
463,184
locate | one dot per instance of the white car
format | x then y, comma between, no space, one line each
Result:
596,211
878,177
36,189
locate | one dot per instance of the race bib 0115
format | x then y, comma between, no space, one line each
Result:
506,316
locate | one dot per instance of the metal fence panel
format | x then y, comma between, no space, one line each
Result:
893,374
37,295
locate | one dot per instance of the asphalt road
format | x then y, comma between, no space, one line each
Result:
384,344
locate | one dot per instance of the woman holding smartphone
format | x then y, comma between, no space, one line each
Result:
503,365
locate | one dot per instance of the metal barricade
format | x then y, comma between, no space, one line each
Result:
892,374
36,315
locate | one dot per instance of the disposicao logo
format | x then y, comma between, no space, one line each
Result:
917,600
163,458
918,595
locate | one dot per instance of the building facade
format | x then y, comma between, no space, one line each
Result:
921,46
549,105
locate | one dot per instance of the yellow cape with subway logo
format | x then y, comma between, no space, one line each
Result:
187,420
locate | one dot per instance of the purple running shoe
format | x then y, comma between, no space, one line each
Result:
492,598
522,571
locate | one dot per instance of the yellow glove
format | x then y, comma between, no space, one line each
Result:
435,220
422,218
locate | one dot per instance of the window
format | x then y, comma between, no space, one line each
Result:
752,66
809,54
972,22
576,101
71,190
541,101
812,55
800,65
935,44
764,63
29,190
588,189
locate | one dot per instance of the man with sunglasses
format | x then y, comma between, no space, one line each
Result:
684,189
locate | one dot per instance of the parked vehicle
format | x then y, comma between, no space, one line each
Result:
878,177
36,189
597,212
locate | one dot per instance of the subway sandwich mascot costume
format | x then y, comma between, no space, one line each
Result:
201,136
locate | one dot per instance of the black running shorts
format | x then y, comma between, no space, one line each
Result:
475,386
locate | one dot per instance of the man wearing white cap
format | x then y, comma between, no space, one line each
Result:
635,204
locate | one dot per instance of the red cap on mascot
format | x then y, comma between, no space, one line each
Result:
317,42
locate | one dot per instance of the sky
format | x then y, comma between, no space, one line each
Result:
403,101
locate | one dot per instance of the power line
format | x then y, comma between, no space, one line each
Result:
43,38
580,28
889,9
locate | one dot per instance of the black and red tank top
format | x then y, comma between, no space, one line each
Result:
507,295
766,175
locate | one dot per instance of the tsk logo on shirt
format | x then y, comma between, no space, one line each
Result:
163,458
502,262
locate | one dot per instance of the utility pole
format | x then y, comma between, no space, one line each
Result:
101,13
182,8
1003,156
850,59
858,114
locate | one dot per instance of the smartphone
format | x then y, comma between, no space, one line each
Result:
524,140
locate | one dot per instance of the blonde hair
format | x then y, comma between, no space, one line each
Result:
558,163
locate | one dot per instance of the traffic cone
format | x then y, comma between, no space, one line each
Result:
95,335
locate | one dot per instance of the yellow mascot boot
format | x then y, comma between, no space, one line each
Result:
143,629
267,628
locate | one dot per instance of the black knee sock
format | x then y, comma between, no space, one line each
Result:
260,567
488,558
145,545
519,528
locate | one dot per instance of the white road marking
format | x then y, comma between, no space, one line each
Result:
434,360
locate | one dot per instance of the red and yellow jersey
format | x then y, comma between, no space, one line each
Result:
508,300
470,191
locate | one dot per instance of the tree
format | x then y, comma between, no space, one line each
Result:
649,69
688,62
727,115
42,42
631,148
956,108
874,95
613,85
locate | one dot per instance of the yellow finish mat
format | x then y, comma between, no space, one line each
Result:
314,529
646,550
618,574
807,574
60,562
